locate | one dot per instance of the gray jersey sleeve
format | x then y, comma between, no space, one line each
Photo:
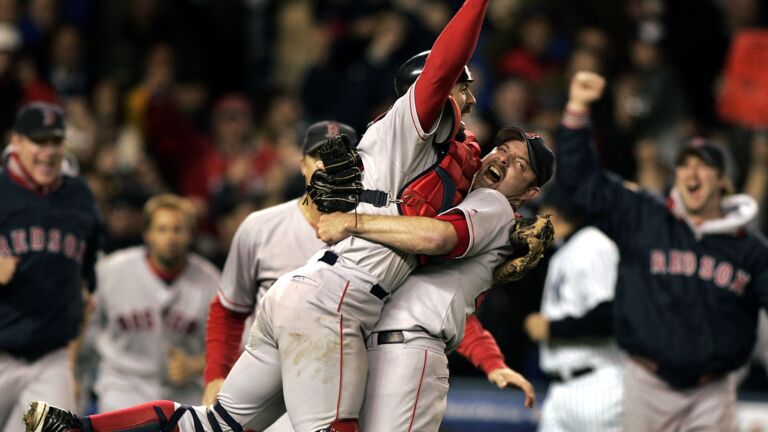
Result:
489,216
268,244
238,281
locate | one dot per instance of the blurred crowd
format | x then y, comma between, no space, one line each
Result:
208,99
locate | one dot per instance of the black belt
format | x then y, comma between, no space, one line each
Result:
556,377
330,258
390,337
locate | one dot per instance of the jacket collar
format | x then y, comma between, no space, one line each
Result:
738,211
21,176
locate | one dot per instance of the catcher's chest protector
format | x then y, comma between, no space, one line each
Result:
444,184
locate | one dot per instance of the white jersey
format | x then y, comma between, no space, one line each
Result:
267,245
139,316
437,299
393,150
581,275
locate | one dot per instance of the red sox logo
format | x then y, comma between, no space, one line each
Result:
49,117
332,129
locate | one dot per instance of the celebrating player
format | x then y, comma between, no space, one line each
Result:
267,245
308,340
50,231
408,367
691,278
575,325
151,310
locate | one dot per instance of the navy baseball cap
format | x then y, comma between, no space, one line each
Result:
319,132
706,150
541,157
40,121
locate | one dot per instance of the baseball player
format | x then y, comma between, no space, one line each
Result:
691,279
425,318
151,310
308,339
268,244
575,325
50,232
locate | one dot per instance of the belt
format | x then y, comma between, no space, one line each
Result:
390,337
556,377
330,258
653,367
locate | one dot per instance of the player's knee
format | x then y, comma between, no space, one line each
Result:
343,425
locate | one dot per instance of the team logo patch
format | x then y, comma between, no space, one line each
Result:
49,117
332,130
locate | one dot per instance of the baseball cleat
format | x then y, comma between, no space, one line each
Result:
41,417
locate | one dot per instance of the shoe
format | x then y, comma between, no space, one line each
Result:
41,417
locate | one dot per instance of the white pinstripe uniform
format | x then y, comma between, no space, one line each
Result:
408,382
138,317
308,339
582,274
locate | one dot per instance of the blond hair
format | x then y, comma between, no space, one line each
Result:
170,202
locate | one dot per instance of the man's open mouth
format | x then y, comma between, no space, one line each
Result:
493,174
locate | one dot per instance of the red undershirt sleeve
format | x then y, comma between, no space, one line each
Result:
480,348
450,53
224,331
461,227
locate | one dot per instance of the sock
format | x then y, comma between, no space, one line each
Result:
139,418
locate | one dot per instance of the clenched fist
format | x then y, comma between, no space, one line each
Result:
586,87
334,227
537,327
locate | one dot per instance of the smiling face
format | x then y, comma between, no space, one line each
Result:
41,160
700,187
507,169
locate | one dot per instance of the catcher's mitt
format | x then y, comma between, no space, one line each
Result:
529,238
337,187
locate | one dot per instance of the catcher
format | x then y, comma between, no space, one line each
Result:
429,314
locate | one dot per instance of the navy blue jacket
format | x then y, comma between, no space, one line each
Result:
686,298
57,236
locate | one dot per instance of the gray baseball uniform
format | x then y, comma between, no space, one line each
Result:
408,380
139,317
581,275
309,334
267,245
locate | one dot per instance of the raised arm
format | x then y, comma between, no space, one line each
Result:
610,206
450,53
410,234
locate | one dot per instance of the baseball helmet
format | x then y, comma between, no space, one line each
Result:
411,69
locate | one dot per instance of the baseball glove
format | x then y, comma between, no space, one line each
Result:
529,238
336,187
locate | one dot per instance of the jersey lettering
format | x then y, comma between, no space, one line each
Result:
723,274
684,263
37,239
658,262
5,249
54,241
741,281
70,246
19,240
706,267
